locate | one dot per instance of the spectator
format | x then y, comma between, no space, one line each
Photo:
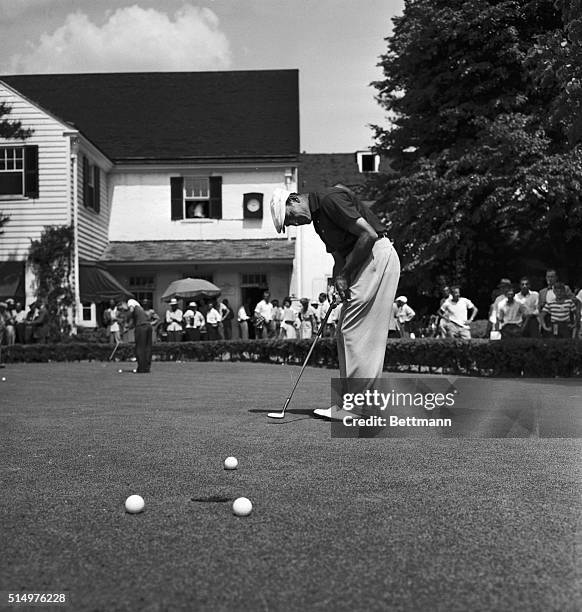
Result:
439,324
497,296
3,317
264,325
213,321
111,320
277,318
10,322
548,294
455,312
243,322
530,301
290,320
227,316
153,318
403,314
29,329
194,321
321,311
20,323
174,321
40,324
511,315
579,309
561,312
307,318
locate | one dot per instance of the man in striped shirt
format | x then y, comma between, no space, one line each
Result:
561,313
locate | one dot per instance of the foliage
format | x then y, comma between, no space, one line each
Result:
516,357
51,258
486,101
10,129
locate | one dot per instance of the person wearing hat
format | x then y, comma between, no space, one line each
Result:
174,319
402,314
10,322
365,274
194,322
143,333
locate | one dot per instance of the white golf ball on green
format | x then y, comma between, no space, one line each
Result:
134,504
230,463
242,506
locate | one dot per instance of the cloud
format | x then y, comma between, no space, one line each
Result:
132,39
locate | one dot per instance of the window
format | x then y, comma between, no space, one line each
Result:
368,162
254,280
196,197
143,288
91,186
19,171
88,308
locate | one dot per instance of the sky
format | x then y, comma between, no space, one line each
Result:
335,45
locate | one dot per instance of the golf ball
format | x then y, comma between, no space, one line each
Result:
230,463
4,378
120,371
242,506
134,504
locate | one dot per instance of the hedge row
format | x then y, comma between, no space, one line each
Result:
515,357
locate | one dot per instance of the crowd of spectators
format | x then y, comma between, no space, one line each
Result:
18,326
515,311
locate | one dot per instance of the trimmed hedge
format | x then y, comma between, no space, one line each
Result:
512,357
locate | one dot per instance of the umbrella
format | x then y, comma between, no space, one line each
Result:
190,288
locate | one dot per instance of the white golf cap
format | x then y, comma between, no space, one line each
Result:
192,304
278,200
402,299
173,301
132,303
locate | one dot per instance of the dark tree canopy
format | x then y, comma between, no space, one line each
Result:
485,102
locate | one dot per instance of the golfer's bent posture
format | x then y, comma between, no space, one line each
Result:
143,336
365,274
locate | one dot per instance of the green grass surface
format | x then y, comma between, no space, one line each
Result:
338,524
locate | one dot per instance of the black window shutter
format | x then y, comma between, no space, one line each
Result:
177,195
86,170
31,171
97,188
216,197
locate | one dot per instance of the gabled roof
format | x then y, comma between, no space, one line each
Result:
199,251
173,116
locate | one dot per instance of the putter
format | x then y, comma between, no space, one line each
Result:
114,349
280,415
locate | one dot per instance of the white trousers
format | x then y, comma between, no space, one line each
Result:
363,320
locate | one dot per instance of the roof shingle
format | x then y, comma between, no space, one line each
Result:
175,115
199,251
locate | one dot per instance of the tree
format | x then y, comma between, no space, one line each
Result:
51,257
485,139
10,130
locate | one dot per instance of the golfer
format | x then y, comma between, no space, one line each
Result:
365,274
143,332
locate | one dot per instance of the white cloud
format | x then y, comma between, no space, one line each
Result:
132,39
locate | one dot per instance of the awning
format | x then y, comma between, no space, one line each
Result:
12,280
97,285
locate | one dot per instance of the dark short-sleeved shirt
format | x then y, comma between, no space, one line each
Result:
140,317
332,212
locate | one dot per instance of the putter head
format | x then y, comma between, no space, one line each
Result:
276,415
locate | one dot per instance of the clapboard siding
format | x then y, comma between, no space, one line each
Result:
28,217
93,228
